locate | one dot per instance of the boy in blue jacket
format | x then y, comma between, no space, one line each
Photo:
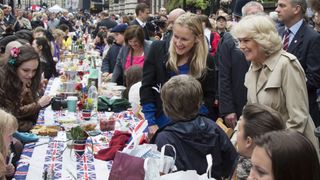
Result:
193,135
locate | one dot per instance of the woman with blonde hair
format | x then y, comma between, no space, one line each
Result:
275,77
2,24
8,125
188,54
58,35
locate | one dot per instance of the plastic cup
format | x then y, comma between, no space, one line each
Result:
103,124
107,124
72,103
111,124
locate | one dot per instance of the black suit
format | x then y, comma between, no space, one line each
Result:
232,69
9,19
145,30
305,45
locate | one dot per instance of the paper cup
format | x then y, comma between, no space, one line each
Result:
72,103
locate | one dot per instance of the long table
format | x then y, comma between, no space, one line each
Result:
51,155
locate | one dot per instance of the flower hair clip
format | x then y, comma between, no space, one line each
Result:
14,53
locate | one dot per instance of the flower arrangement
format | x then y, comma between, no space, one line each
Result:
14,53
84,102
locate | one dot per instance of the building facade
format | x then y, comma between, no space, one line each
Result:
67,4
28,3
128,6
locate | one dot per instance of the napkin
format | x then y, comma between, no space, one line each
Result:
117,143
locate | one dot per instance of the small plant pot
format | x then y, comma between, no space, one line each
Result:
86,114
79,146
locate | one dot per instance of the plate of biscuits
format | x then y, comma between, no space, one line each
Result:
43,130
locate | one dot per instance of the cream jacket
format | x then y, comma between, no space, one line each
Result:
283,88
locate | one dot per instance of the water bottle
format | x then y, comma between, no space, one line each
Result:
93,96
73,45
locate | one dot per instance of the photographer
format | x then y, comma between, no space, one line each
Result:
156,27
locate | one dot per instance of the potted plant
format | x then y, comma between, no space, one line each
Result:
79,137
86,111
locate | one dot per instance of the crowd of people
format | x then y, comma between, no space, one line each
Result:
259,73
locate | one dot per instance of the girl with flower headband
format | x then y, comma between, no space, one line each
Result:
19,84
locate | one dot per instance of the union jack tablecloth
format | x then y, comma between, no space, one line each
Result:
53,155
61,161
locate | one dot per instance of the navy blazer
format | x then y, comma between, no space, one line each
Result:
305,45
232,69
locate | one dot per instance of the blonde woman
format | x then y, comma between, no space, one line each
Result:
275,77
58,35
187,54
2,24
8,125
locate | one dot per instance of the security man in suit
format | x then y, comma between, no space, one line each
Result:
302,41
142,12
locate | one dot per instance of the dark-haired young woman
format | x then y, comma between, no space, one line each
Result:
284,155
48,66
20,77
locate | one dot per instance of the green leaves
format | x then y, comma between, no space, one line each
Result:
201,4
77,133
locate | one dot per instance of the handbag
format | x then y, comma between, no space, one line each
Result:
114,105
126,166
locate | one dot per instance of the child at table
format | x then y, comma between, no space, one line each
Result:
8,125
193,135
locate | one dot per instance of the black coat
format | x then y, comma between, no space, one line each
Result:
109,60
9,19
232,69
195,139
145,30
155,74
306,47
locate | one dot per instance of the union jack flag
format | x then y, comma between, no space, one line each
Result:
86,175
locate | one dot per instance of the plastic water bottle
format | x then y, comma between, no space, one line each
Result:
93,96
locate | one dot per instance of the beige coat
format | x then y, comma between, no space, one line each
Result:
283,88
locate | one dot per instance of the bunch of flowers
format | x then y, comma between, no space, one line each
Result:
83,94
14,53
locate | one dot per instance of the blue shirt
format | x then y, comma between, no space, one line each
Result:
183,69
149,109
294,29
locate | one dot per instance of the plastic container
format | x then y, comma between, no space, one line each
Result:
93,96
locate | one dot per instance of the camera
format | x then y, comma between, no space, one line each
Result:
157,23
160,23
57,103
